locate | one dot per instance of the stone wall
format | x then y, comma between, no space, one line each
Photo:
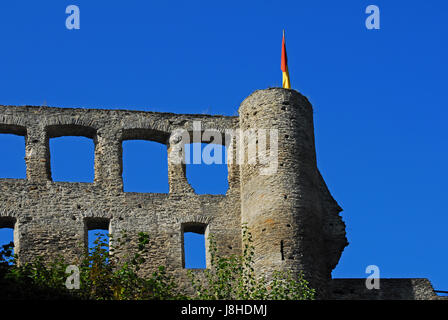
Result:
390,289
53,218
294,220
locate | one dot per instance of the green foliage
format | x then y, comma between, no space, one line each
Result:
115,275
104,275
234,278
31,280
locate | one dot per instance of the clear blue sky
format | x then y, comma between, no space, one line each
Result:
379,97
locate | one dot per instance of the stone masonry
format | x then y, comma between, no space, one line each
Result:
291,214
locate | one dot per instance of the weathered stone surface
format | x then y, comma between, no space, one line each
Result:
290,212
390,289
294,220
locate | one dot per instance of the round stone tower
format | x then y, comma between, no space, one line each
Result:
286,208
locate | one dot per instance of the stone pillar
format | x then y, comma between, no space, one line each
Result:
37,155
282,208
233,168
177,178
109,160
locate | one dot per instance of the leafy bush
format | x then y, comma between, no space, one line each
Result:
234,278
103,275
114,275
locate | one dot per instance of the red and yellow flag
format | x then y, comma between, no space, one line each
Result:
284,65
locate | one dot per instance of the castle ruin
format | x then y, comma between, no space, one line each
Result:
293,218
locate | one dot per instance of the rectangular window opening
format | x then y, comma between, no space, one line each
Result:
97,234
145,166
72,159
12,161
194,247
7,225
206,168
